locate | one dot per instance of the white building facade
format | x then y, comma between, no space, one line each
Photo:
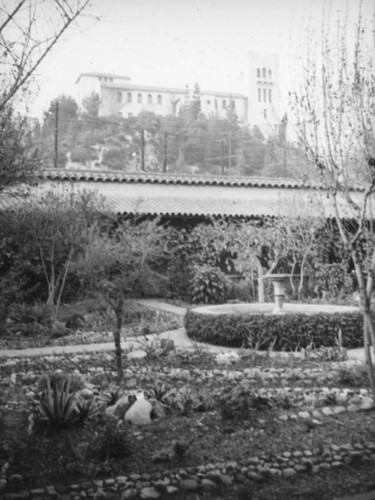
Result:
259,104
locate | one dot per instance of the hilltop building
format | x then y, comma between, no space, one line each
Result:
258,104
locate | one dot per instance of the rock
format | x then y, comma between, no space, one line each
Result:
189,485
140,412
171,490
208,485
367,404
149,492
289,472
227,358
327,411
131,493
137,354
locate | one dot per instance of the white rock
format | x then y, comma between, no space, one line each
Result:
367,404
137,354
139,413
227,358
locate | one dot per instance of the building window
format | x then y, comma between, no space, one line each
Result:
160,100
119,96
264,73
265,95
129,97
139,98
269,95
130,115
149,98
265,114
215,103
259,95
224,104
258,72
208,102
269,73
233,104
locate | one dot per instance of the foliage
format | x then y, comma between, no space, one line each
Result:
122,265
352,375
108,440
335,116
51,231
287,332
19,159
240,403
209,285
56,404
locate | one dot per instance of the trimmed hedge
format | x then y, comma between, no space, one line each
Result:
284,333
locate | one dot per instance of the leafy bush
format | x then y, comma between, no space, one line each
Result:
353,376
209,285
108,440
286,332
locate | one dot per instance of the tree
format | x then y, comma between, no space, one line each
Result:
19,161
49,232
29,30
91,105
120,262
335,112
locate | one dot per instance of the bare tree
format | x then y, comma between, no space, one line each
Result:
29,29
335,110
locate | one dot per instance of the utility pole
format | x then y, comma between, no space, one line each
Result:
165,151
56,133
230,148
143,149
222,155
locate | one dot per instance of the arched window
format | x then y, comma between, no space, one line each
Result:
264,73
129,97
270,73
258,72
265,95
270,95
149,98
139,98
259,95
160,100
119,96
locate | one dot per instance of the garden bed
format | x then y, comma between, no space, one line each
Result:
89,327
276,426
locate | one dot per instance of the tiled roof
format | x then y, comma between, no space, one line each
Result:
178,179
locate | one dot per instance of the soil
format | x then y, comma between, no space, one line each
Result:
183,438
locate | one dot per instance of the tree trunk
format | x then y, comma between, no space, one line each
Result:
260,283
117,337
368,328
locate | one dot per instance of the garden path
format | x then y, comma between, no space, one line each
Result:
179,337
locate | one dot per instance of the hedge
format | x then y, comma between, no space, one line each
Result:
286,332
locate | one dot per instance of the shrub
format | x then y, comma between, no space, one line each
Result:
285,332
108,440
56,405
209,285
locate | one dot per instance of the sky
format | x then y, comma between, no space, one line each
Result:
176,42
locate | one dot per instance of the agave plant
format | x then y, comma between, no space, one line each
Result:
57,404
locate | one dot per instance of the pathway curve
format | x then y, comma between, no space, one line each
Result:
179,337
